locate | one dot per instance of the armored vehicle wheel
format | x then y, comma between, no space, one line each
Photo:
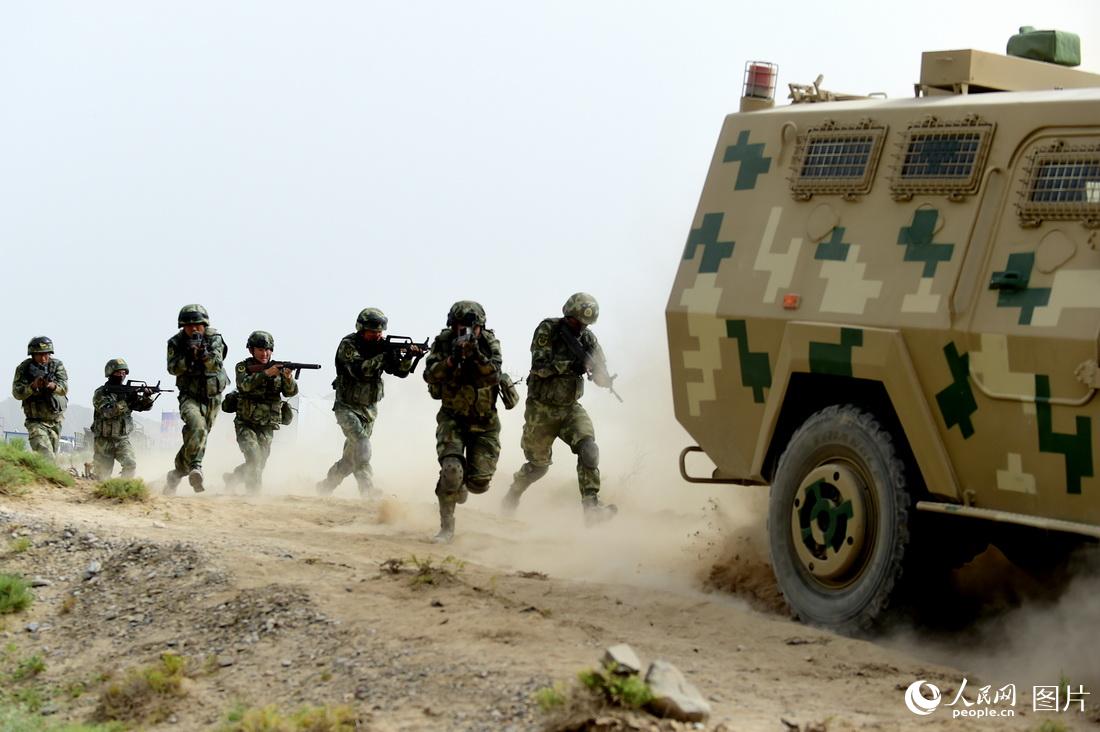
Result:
838,519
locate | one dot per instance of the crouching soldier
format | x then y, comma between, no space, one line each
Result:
112,422
260,409
463,371
41,383
361,359
563,351
195,358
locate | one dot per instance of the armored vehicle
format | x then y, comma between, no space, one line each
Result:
888,311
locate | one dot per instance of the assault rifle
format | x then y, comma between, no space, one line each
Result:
136,388
38,372
401,346
585,358
255,368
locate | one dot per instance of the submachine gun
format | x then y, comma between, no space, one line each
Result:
140,389
585,358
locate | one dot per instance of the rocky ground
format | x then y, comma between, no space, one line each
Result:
295,600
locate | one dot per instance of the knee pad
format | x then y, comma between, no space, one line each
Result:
450,474
588,453
477,485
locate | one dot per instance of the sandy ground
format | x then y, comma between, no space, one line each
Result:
290,597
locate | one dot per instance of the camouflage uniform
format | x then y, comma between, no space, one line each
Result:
259,414
358,384
200,382
44,410
467,435
112,425
554,386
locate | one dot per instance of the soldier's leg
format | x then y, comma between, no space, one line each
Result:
38,438
356,450
103,457
578,432
263,439
482,451
248,442
540,429
124,453
53,434
449,487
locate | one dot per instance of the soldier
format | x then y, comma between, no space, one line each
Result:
195,358
41,383
112,423
463,370
361,358
260,409
553,388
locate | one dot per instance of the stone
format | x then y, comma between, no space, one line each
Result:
673,695
40,582
622,660
31,627
92,569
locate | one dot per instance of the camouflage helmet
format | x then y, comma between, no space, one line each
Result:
39,344
261,339
193,314
466,312
116,364
371,319
581,306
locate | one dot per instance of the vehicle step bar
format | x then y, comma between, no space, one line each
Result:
1007,517
714,478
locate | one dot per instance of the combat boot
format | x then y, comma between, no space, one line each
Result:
368,492
446,522
597,513
195,479
510,502
325,488
171,482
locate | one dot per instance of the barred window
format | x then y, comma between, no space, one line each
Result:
941,158
832,160
1062,183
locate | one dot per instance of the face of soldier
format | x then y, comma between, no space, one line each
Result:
192,328
575,324
263,355
118,376
40,358
372,335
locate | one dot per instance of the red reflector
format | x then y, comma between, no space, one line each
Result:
791,301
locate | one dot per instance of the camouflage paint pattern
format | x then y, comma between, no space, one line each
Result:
476,441
994,385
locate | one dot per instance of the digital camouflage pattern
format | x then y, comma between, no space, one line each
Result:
259,414
942,286
200,383
44,411
112,423
554,386
358,384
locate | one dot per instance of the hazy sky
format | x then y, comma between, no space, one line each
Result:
287,164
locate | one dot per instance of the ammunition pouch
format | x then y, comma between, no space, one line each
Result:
509,396
230,402
287,415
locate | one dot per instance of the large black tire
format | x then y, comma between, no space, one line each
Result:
838,520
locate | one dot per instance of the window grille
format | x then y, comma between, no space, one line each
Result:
941,158
836,160
1062,183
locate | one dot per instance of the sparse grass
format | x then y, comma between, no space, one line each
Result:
28,668
306,719
595,692
553,697
628,691
122,490
144,694
429,573
20,545
19,467
1051,725
19,720
14,595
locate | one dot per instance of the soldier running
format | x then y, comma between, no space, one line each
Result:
41,383
112,422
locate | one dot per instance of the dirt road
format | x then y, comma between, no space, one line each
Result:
292,599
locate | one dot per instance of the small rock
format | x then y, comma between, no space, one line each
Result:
40,582
225,662
673,695
437,603
31,627
286,663
622,659
92,569
158,525
49,708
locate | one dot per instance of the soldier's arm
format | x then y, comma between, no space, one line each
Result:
108,406
486,363
399,367
290,385
20,386
598,361
213,361
542,354
248,383
436,370
177,358
352,363
61,380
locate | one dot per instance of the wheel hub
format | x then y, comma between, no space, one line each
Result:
828,523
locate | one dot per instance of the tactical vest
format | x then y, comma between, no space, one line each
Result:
46,406
120,425
200,383
356,391
459,396
262,407
559,390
